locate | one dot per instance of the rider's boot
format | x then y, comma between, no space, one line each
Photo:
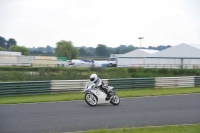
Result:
108,94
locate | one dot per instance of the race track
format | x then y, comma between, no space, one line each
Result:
78,116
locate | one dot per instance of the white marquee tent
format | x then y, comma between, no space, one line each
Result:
179,56
134,58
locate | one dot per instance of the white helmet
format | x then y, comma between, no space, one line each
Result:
93,77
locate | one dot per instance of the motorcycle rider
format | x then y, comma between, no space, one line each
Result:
99,83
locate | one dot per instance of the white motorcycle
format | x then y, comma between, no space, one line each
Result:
94,96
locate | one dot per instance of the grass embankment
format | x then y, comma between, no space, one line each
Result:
162,129
80,95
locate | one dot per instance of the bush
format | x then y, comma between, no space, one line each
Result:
61,73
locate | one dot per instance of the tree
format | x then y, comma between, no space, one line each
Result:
2,49
35,52
110,50
117,51
161,47
75,53
42,49
48,49
150,47
22,49
102,50
2,42
91,51
11,42
83,52
66,49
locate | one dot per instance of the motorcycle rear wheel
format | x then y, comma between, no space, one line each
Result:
91,99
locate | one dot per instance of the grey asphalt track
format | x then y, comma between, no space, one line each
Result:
77,115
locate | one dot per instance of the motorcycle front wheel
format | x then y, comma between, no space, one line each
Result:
115,100
90,99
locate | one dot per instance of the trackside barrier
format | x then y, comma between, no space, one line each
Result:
24,88
69,85
175,82
59,86
197,81
130,83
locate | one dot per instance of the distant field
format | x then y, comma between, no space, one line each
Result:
162,129
80,95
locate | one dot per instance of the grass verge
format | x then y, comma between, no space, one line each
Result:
80,95
162,129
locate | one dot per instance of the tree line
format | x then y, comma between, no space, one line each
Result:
11,45
103,50
67,49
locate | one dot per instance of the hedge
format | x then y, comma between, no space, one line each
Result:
62,73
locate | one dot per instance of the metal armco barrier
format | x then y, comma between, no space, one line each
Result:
129,83
197,81
29,87
174,82
58,86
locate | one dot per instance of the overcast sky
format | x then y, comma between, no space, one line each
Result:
91,22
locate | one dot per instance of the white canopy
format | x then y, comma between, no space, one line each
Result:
139,53
178,51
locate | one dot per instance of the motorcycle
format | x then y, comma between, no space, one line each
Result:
94,95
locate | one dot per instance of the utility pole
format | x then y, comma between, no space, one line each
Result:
140,41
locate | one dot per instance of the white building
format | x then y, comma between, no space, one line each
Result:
9,53
45,61
135,58
179,56
8,58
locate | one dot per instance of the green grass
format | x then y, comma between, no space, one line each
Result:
157,92
163,129
80,95
41,98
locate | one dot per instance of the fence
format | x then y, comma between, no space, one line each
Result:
59,86
30,87
172,66
128,83
69,85
174,82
